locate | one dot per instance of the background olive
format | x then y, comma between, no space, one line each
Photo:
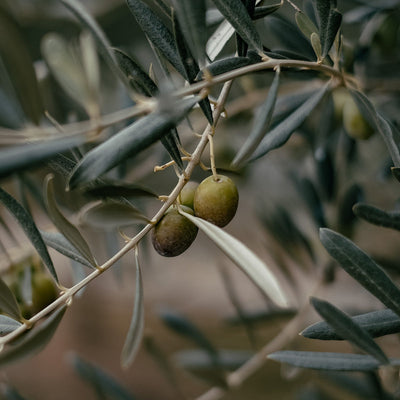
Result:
44,291
216,200
174,233
186,195
353,121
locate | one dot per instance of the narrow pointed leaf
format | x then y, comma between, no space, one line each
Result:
235,12
128,142
59,242
262,123
18,158
63,225
103,44
263,11
8,302
136,327
157,32
362,268
111,214
377,216
30,229
389,133
323,8
137,78
326,361
171,145
34,341
7,325
334,23
376,323
281,133
305,24
348,329
224,65
244,258
316,45
192,20
218,39
104,385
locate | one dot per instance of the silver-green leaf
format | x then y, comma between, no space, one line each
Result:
377,216
8,302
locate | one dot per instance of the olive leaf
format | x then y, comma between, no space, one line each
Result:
281,133
376,323
34,341
377,216
104,385
18,158
327,361
110,214
192,20
30,229
235,12
129,142
159,35
136,327
362,268
60,243
305,24
348,329
63,225
8,302
244,258
7,324
261,125
218,39
19,67
224,65
241,45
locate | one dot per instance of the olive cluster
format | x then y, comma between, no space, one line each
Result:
215,199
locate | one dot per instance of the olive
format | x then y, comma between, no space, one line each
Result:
44,291
174,233
186,195
216,200
354,123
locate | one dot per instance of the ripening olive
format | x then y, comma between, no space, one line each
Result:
174,233
216,200
44,291
186,195
354,123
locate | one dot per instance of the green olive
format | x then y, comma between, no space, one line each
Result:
354,123
44,291
216,200
174,233
186,195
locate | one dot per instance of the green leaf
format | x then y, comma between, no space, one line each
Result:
376,323
348,329
244,258
30,229
171,143
59,242
136,327
129,142
103,44
157,32
326,361
389,134
334,23
34,341
323,8
241,45
362,268
103,384
316,45
261,125
111,214
305,24
108,188
63,225
224,65
192,20
235,12
7,324
19,66
8,302
218,39
138,79
281,133
18,158
377,216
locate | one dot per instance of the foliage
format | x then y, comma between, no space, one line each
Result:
76,157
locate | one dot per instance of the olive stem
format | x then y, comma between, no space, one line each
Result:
212,157
66,297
